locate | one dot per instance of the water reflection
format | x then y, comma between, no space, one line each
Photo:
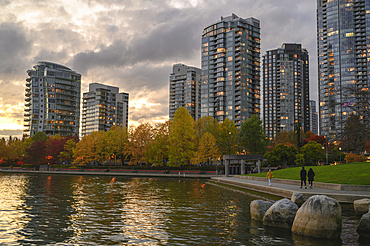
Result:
88,210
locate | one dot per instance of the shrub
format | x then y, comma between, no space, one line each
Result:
351,157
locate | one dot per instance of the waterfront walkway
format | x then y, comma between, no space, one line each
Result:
286,188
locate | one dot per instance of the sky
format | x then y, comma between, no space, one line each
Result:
131,44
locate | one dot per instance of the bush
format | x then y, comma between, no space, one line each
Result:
351,157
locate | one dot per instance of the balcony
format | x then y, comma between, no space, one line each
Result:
27,94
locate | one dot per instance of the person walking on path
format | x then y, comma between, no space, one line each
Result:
310,175
303,177
269,176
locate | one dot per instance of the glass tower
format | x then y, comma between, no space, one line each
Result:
103,107
343,39
286,90
185,90
52,100
230,82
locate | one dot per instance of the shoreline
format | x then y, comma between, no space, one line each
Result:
117,172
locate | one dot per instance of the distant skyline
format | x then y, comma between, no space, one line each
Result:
130,44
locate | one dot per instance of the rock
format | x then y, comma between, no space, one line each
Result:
320,216
361,206
258,209
364,227
281,214
298,198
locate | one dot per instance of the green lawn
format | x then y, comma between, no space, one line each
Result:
352,173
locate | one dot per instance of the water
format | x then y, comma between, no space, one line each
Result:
89,210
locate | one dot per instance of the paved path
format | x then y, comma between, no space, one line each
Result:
286,190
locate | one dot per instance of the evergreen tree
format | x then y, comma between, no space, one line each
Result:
253,135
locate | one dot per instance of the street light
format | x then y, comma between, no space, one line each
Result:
340,155
326,152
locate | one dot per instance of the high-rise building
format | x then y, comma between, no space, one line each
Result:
286,90
52,100
343,40
230,83
185,90
313,118
103,107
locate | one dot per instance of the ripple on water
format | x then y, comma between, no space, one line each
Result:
83,210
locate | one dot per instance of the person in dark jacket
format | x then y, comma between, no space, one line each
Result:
303,177
310,174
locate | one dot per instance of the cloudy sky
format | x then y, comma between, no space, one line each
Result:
131,44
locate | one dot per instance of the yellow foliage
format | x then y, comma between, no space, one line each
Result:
351,157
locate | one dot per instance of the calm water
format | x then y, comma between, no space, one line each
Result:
88,210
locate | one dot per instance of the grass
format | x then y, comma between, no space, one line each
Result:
357,173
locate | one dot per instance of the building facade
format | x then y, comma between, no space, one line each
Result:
230,82
52,100
185,90
103,107
343,42
286,90
314,118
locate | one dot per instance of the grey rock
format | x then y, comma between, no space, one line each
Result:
258,209
281,214
320,216
364,227
298,198
361,206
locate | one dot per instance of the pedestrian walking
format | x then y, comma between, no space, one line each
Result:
310,175
303,177
269,176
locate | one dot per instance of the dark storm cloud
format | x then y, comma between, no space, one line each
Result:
14,46
166,41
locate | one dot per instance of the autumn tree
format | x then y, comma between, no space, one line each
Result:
253,136
118,142
284,137
68,151
157,150
39,136
308,134
85,151
181,139
316,138
312,153
37,152
207,149
206,124
228,138
54,145
18,149
140,138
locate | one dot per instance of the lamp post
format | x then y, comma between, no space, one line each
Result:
340,155
326,149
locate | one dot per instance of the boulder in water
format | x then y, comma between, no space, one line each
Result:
298,198
364,227
258,209
320,216
281,214
361,206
